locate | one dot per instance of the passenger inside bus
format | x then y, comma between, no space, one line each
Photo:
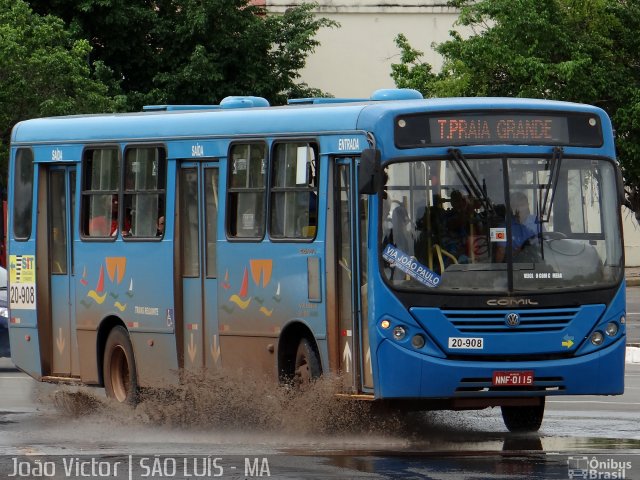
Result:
524,227
402,229
100,226
160,229
458,222
103,225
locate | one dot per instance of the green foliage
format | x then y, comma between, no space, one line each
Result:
84,56
43,72
576,50
194,51
411,73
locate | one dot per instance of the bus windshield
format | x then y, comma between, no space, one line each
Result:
500,224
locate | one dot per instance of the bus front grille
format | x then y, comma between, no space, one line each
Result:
494,321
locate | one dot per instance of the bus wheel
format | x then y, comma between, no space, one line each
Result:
307,366
523,419
119,370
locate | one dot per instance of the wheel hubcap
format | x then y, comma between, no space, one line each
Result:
119,374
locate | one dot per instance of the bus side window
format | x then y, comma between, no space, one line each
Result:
100,186
144,191
294,191
246,197
23,194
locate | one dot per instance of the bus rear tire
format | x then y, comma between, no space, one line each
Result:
307,364
119,368
523,419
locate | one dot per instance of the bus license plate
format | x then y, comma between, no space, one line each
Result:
513,378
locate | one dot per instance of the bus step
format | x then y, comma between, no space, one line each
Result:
60,379
356,396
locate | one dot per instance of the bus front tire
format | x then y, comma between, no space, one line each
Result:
523,419
307,365
119,368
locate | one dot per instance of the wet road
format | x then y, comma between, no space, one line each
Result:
633,315
68,423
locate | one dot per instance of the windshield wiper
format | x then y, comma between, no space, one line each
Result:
554,174
478,191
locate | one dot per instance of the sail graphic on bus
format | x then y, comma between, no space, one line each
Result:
241,299
98,294
116,265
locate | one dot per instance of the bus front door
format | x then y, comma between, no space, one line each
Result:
350,248
196,254
59,223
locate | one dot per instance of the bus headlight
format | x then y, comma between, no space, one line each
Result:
612,329
597,338
385,324
417,341
399,333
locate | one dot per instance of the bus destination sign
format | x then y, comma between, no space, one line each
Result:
498,128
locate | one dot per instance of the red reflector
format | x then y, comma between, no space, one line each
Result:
513,378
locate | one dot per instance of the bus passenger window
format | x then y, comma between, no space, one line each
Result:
23,194
100,187
245,211
294,191
144,192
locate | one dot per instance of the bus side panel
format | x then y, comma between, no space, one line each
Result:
24,322
25,351
264,290
156,359
125,289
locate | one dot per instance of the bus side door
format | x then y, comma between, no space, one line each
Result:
60,221
350,263
196,254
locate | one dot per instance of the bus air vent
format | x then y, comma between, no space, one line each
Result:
396,94
244,102
493,321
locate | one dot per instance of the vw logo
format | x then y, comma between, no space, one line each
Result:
512,319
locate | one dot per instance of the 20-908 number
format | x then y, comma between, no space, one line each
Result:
460,342
22,295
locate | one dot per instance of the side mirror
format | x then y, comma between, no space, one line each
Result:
369,172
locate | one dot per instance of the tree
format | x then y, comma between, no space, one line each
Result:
43,72
194,51
576,50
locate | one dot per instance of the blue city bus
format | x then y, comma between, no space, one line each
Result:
436,254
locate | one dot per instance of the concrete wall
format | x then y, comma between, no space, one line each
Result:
355,59
631,238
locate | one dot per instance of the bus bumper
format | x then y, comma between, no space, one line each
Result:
403,373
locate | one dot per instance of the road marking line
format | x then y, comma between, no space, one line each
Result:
16,378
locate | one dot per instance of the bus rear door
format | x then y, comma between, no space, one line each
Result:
350,223
196,255
55,242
